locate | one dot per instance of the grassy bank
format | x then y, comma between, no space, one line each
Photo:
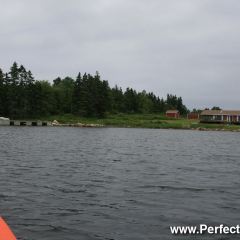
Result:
140,121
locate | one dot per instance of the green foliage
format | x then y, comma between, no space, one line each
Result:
63,91
86,97
91,96
199,111
216,108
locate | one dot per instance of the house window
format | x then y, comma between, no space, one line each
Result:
218,117
238,118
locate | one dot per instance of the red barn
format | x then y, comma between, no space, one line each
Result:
172,113
192,116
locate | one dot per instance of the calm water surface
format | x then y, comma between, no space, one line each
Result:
104,183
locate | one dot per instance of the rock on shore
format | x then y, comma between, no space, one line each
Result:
55,123
215,129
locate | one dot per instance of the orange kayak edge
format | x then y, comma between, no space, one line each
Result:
5,231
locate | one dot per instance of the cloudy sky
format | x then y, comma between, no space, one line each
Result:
189,48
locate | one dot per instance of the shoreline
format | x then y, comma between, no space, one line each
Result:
55,123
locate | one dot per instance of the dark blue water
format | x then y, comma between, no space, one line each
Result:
103,183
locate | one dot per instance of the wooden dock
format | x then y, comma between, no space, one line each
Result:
4,122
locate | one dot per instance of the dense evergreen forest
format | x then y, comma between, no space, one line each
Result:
22,97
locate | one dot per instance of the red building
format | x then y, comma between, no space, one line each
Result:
221,115
192,116
172,113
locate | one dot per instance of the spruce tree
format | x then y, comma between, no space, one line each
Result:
13,90
2,90
21,89
76,99
117,103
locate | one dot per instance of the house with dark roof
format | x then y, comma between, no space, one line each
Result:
220,116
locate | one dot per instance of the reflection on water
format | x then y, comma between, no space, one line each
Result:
100,183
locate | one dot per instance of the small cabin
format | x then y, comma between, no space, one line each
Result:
220,116
172,113
193,116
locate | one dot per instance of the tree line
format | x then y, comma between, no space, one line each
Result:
21,96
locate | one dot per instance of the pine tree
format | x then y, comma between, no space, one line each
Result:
2,90
29,95
117,104
13,90
30,78
130,101
76,98
14,74
103,100
21,90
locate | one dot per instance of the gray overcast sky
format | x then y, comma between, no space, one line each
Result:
190,48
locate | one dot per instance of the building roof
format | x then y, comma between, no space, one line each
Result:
220,112
172,111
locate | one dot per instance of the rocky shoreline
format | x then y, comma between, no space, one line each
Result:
55,123
215,129
204,129
77,125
